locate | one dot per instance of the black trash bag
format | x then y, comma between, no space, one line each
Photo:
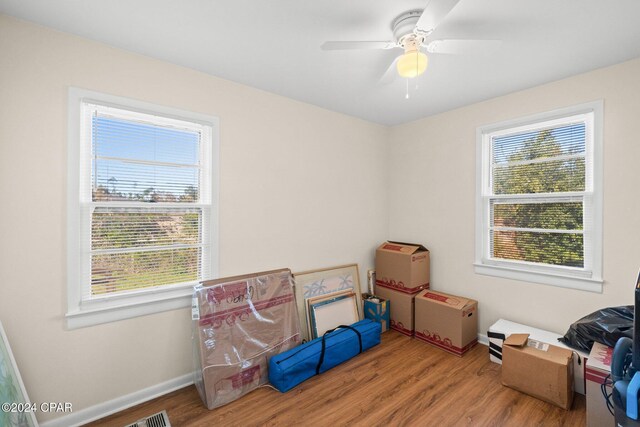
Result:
605,326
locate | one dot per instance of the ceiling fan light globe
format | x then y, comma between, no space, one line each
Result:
412,64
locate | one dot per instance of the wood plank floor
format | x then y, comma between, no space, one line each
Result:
400,382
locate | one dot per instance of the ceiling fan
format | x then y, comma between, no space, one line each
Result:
412,31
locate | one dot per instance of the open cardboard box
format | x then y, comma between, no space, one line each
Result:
538,369
403,267
376,309
500,330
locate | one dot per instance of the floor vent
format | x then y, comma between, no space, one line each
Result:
161,419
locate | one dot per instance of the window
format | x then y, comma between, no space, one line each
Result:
142,212
539,199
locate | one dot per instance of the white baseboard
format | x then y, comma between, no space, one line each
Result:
483,339
118,404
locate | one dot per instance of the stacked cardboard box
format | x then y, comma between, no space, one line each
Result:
402,271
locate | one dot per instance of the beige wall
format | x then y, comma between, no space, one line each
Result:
432,192
300,187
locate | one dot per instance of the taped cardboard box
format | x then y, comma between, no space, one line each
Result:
446,321
239,323
400,310
538,369
597,368
377,309
503,328
403,267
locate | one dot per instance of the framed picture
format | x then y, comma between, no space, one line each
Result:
313,300
315,283
12,389
332,312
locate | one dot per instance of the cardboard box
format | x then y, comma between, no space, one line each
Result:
538,369
596,370
376,309
238,324
403,267
401,309
503,328
447,321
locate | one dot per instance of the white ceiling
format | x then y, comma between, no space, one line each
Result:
274,45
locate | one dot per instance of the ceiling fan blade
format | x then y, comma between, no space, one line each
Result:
463,47
391,73
349,45
433,14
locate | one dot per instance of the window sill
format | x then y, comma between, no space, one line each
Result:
127,307
545,278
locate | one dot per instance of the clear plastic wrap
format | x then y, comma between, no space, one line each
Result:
238,324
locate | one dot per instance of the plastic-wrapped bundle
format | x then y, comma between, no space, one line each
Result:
239,323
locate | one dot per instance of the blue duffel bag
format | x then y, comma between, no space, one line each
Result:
288,369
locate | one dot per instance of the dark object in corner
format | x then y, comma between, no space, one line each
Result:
605,326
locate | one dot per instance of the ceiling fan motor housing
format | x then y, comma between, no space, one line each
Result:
404,30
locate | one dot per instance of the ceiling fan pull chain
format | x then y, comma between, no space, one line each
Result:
407,95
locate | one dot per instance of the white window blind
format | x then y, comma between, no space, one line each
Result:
145,194
538,194
539,199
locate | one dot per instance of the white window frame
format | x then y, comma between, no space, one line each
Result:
588,278
146,301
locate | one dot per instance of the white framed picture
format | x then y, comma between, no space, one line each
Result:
309,284
331,312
